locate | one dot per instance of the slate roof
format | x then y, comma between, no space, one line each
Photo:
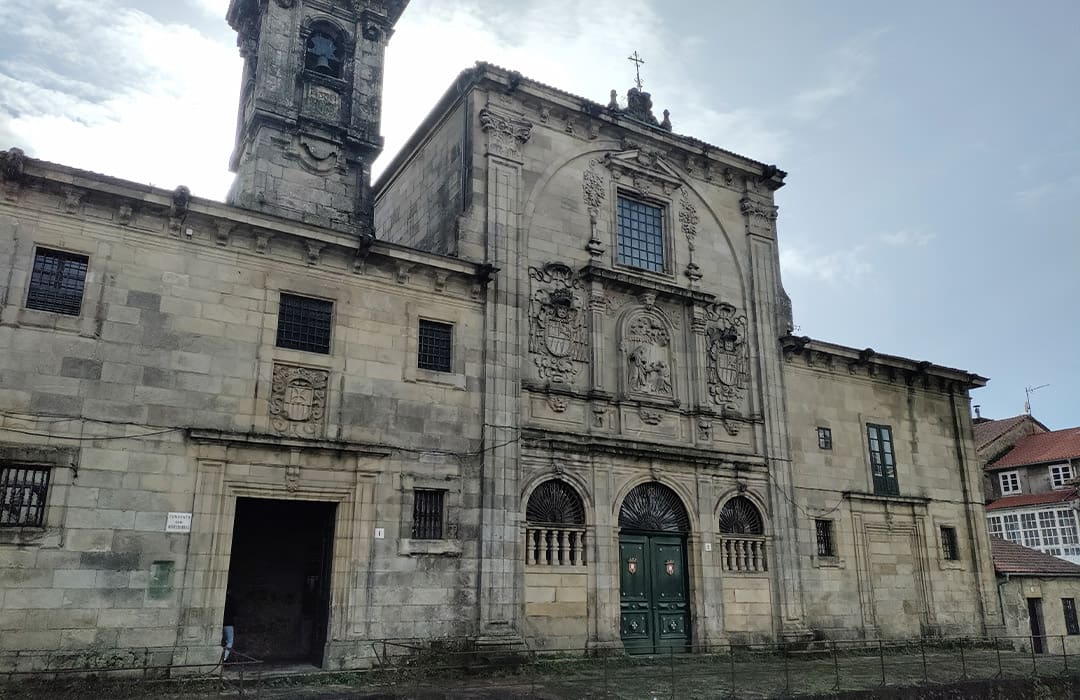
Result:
1011,558
1032,499
1055,446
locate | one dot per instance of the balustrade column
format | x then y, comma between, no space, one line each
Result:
530,546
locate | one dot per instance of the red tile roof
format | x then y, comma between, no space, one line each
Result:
1056,446
1033,499
1011,558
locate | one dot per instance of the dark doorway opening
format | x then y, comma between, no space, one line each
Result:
279,578
1038,631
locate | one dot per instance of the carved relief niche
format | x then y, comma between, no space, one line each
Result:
727,355
647,365
298,400
556,323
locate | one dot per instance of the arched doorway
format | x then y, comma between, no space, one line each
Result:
654,591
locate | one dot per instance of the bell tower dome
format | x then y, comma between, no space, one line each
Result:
308,126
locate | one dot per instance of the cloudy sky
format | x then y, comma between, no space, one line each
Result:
933,147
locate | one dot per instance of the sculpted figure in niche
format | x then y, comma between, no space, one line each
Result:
648,357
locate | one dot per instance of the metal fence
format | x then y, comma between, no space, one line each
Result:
409,669
55,676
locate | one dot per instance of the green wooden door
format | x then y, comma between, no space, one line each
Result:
653,594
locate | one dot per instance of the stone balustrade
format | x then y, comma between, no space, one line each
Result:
744,554
557,545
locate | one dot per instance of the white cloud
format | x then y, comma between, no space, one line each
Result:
842,266
848,67
1038,194
907,238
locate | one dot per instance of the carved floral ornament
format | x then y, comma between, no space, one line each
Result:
507,133
298,400
556,323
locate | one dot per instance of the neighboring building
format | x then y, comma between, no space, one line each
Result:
537,385
993,438
1031,491
1038,594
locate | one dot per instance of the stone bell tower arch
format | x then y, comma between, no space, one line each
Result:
310,103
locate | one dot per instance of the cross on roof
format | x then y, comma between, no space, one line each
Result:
637,61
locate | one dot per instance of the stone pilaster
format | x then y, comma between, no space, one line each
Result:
760,216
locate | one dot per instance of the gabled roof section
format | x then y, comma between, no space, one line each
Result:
1032,499
1011,558
1042,448
986,431
512,81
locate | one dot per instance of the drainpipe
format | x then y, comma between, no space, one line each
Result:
1001,598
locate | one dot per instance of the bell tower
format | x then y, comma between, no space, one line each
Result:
308,126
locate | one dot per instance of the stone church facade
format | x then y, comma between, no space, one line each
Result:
537,385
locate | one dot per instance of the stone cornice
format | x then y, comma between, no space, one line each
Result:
163,212
869,363
638,283
263,441
573,442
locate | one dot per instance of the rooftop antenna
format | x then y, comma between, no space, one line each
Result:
637,61
1029,390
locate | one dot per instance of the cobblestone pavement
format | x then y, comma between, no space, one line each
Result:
743,675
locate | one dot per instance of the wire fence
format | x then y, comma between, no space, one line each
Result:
415,669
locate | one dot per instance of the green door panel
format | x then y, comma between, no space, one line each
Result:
653,593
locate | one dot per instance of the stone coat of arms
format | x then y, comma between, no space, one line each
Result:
557,323
727,356
298,400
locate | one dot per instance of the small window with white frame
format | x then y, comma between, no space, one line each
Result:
1060,474
1009,483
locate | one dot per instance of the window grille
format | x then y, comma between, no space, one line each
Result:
641,234
22,496
1068,606
825,545
950,547
882,459
427,514
304,323
824,438
435,351
57,282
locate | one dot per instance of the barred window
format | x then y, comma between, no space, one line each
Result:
435,350
824,438
950,547
428,514
641,234
57,282
22,496
825,545
1068,606
304,323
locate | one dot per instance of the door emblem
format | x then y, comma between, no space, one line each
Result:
631,565
669,567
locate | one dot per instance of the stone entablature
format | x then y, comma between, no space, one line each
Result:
869,364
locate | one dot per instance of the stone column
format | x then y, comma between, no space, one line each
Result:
499,590
766,311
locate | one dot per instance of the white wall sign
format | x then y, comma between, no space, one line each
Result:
380,533
708,546
178,522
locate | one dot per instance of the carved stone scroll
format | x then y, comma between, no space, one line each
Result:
507,133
